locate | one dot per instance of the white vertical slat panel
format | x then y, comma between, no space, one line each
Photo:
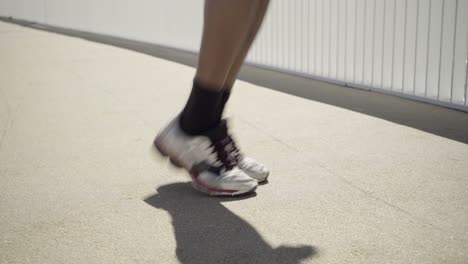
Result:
389,28
292,34
446,58
360,44
422,47
461,55
298,36
305,36
275,29
435,40
410,46
326,38
304,54
286,35
266,40
273,36
292,39
342,40
278,33
350,39
369,41
378,43
333,51
319,38
399,45
289,35
264,43
281,36
312,44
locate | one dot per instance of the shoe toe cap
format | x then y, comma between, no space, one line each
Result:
254,169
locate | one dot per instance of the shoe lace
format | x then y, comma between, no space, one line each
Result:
227,152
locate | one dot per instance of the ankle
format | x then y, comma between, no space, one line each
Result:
202,109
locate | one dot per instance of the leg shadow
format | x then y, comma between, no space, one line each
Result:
207,232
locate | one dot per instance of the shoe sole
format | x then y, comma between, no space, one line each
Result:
194,175
264,181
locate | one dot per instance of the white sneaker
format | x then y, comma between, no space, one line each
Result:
253,168
212,166
248,165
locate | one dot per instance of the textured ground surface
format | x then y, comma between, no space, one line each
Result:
80,184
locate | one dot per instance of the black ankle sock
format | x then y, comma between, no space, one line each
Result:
222,105
202,110
226,94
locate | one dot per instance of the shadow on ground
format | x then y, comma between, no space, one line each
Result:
437,120
207,232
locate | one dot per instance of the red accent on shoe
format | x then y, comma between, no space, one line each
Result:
201,184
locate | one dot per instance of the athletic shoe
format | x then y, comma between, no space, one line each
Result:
254,169
250,166
209,158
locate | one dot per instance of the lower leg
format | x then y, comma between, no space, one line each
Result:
226,25
239,60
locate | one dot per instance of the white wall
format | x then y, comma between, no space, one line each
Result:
32,10
175,23
412,48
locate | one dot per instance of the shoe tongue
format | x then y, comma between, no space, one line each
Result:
218,132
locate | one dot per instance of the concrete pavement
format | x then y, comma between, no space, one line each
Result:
80,184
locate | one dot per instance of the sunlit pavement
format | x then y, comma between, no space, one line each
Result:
79,182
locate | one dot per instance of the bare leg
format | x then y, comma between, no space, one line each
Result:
226,26
239,60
